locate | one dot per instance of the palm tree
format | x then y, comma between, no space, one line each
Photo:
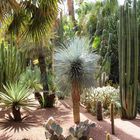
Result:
75,65
33,20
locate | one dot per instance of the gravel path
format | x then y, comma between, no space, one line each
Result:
32,127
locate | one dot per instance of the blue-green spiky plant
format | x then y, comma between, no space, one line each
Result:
75,65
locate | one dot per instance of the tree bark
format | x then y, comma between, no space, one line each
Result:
44,76
70,4
76,101
16,113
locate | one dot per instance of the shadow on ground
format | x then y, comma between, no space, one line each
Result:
32,127
8,126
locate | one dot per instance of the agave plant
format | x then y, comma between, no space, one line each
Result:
15,97
75,65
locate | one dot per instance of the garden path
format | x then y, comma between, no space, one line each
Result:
32,128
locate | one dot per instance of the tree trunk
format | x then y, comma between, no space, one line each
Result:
76,101
44,76
16,113
39,98
70,4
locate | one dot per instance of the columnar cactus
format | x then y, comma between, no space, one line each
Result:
107,136
128,59
112,118
12,64
99,111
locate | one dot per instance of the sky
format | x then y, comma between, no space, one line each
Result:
120,1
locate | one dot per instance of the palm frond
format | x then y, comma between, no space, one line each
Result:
42,16
36,18
18,23
7,6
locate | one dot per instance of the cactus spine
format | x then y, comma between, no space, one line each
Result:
128,59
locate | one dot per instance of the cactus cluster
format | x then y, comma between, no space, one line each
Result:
78,132
81,131
128,58
12,64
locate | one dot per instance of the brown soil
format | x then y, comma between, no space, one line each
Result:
32,127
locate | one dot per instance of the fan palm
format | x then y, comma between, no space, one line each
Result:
75,65
15,97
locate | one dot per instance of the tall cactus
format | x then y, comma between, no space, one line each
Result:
128,59
12,64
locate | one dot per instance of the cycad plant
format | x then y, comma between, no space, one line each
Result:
15,97
75,65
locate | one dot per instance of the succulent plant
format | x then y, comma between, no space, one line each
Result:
128,59
53,130
107,136
81,130
99,111
78,132
112,118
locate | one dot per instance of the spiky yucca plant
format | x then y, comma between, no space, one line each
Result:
75,65
15,97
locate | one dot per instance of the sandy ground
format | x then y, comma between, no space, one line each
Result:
32,128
